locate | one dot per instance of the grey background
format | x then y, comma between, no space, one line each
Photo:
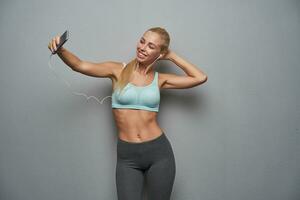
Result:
234,137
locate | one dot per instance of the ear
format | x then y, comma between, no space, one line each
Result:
162,54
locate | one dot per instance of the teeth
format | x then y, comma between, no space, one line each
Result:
142,54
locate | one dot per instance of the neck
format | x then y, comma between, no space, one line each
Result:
144,69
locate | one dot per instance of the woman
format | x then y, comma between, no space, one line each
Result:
143,149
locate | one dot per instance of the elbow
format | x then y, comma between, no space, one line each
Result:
202,80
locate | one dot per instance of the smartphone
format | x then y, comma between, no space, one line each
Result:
63,38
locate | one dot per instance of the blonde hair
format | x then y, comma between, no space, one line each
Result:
131,66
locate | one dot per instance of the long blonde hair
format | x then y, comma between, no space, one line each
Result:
131,66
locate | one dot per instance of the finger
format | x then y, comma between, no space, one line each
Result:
54,44
57,40
51,46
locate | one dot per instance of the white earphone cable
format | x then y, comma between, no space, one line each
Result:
69,85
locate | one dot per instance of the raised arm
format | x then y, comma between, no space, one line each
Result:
103,70
69,58
194,76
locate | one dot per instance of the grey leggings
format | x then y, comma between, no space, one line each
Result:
154,160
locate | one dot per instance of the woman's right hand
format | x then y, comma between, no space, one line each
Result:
53,43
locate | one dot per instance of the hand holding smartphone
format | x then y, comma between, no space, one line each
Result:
63,38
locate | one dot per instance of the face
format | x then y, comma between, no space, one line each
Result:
148,47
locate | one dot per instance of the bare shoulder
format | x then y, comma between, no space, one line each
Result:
118,67
162,78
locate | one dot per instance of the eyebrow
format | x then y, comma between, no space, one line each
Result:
149,42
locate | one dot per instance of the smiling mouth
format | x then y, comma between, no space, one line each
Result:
141,55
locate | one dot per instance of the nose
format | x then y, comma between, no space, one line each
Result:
143,47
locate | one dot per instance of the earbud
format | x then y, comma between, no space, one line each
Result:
160,55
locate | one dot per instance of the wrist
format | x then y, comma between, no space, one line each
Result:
60,50
171,56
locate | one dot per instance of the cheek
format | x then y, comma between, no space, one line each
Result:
153,54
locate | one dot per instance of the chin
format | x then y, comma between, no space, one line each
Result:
140,59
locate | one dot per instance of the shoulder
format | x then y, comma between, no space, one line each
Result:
117,69
162,78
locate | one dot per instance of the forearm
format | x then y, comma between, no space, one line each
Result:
188,68
69,58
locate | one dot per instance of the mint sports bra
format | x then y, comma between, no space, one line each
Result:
138,97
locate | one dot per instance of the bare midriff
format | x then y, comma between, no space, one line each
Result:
136,125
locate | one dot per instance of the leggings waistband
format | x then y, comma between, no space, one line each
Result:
155,140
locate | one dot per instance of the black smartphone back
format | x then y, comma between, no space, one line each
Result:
63,38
